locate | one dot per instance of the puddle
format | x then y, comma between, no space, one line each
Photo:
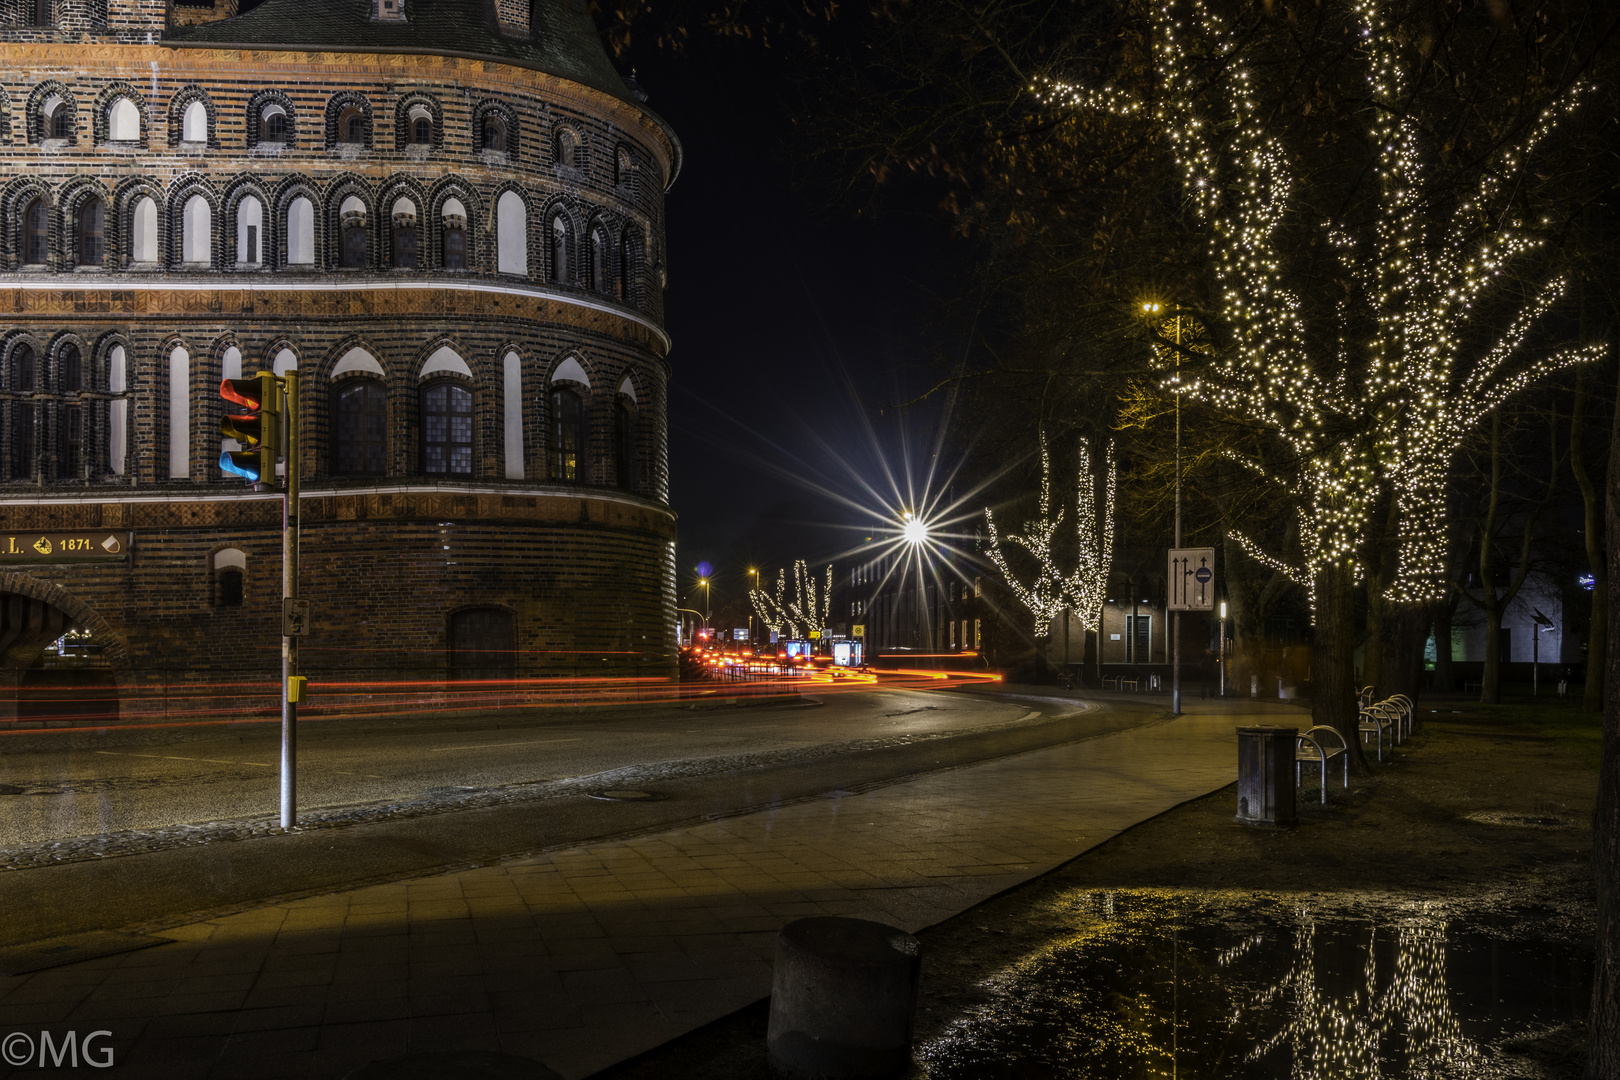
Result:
1155,983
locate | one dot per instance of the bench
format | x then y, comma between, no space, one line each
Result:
1469,687
1375,720
1313,746
1120,682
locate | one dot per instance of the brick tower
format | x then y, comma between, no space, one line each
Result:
447,215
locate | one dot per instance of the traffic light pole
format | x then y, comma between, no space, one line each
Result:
291,685
1175,616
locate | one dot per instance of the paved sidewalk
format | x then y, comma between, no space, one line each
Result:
583,957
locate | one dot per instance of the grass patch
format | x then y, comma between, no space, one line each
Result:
1574,729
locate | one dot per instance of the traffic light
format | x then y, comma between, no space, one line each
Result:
258,430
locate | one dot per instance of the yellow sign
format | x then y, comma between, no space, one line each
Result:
859,630
814,634
33,547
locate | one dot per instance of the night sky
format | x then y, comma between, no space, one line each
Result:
796,328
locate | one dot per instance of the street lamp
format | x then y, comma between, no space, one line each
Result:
753,584
1152,308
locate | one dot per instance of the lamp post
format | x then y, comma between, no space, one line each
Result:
1175,616
753,584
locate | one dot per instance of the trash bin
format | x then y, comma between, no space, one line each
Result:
1266,775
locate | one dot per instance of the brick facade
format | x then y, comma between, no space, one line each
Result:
182,291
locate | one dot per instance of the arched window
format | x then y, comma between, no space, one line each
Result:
23,447
22,370
143,234
447,426
273,125
566,148
561,268
492,134
352,219
597,270
455,235
361,409
229,585
123,121
422,130
301,232
405,234
71,367
623,166
92,241
36,233
118,410
72,430
194,124
511,234
627,268
197,232
567,436
249,230
58,119
351,127
624,442
179,413
230,569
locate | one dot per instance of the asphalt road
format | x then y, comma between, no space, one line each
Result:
701,763
54,795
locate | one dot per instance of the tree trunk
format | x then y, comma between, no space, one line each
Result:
1400,661
1603,1059
1597,638
1444,675
1490,683
1373,652
1333,698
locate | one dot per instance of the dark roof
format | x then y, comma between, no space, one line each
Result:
563,42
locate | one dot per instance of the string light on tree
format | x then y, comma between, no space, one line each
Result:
1051,592
1357,415
808,609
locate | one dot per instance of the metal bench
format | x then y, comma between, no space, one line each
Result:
1375,720
1316,749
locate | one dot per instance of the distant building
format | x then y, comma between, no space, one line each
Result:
448,216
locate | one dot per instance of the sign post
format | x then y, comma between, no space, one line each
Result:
1192,588
294,613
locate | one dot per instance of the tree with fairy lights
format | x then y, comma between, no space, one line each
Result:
1051,592
807,609
773,610
1370,382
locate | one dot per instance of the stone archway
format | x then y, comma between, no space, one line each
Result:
76,682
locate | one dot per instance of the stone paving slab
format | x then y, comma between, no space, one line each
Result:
583,957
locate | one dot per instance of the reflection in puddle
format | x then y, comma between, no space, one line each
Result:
1155,983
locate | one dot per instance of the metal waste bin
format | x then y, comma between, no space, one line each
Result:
1266,775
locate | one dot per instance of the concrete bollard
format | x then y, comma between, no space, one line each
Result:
842,999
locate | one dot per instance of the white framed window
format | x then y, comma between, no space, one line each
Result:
249,232
197,232
123,121
194,123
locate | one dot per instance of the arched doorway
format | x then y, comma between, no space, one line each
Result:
52,668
